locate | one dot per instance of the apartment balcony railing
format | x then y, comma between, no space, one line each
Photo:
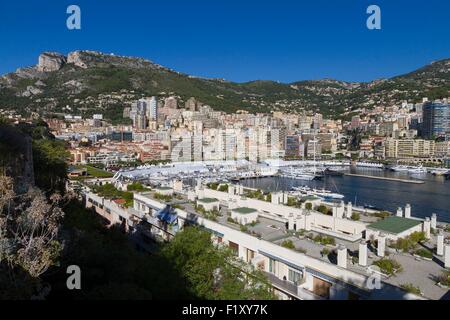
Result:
292,289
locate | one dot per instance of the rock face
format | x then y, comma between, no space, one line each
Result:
77,58
51,61
87,59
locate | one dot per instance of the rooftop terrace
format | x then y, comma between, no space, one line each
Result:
419,272
244,210
394,224
208,200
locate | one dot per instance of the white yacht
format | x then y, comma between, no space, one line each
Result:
322,193
298,174
417,170
409,169
400,168
327,194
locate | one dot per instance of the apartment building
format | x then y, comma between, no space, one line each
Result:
294,273
409,148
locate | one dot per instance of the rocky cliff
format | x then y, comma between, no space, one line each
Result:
51,61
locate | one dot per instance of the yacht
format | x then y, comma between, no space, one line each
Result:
330,172
399,168
440,172
417,170
327,194
322,193
299,174
410,169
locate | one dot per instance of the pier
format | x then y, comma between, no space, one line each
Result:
386,178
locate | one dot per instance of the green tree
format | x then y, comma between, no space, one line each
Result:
50,165
211,272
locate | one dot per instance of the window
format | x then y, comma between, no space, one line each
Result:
321,287
234,247
294,276
272,265
250,255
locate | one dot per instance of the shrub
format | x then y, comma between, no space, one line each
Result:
322,209
254,223
136,186
444,279
212,185
328,240
288,244
325,240
223,188
243,228
382,214
356,216
388,266
409,287
410,242
308,206
231,220
424,253
162,197
417,237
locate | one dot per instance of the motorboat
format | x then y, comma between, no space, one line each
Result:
322,193
409,169
330,172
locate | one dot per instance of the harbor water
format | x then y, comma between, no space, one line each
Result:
433,196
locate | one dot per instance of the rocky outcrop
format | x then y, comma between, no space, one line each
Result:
86,59
78,58
30,91
51,61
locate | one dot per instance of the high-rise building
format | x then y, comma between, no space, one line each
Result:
436,119
138,114
153,109
292,147
318,121
356,122
191,104
171,103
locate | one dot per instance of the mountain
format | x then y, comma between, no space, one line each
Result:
93,82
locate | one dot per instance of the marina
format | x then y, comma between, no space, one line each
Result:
385,178
366,185
432,196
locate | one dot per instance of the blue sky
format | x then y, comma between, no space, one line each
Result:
239,40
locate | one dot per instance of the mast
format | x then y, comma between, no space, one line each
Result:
314,156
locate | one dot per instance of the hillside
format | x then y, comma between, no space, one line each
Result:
92,82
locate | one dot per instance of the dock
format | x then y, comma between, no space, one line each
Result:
385,178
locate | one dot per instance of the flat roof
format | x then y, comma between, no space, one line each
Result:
163,188
244,210
208,200
394,224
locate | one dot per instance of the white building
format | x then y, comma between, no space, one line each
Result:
244,215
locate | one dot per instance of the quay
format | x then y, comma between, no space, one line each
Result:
385,178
